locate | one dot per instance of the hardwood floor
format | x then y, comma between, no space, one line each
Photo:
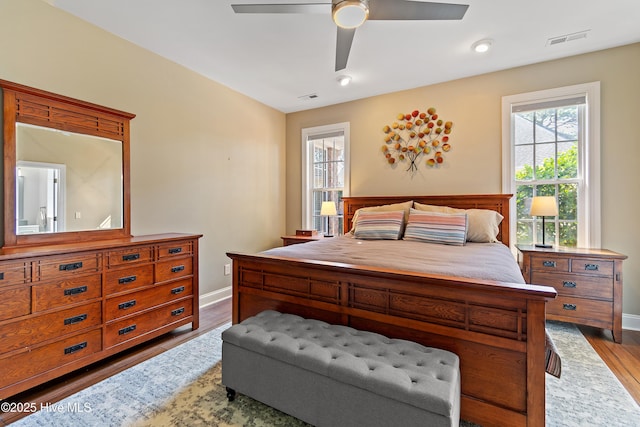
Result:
623,359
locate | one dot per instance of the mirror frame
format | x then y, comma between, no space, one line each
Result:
23,104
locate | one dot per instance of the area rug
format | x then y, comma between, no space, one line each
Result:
182,387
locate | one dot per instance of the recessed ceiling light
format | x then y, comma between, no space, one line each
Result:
344,80
482,46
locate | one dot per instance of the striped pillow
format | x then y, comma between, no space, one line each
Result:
379,225
436,227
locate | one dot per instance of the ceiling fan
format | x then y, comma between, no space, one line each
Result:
350,14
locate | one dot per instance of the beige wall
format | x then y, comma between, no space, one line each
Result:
204,159
474,163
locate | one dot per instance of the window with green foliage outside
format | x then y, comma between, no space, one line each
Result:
547,148
551,147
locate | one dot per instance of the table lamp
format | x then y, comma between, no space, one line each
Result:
543,206
328,209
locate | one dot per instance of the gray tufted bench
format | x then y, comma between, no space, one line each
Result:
332,375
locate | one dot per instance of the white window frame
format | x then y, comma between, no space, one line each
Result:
307,172
589,157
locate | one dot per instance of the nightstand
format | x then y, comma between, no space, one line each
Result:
588,281
294,240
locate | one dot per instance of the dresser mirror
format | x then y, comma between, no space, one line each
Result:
66,169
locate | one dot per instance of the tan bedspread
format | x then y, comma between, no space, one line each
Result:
488,261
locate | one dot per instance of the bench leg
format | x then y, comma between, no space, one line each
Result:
231,394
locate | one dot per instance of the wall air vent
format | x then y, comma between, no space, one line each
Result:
307,97
567,38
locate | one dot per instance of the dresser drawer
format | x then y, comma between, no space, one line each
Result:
129,278
575,284
174,269
581,309
549,263
14,273
175,249
18,367
54,268
592,266
27,332
71,291
130,256
127,329
124,305
15,301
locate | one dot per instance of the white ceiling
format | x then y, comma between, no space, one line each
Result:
277,58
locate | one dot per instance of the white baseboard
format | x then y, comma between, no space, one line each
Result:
631,321
215,296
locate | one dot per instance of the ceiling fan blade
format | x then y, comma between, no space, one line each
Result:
283,8
387,10
343,46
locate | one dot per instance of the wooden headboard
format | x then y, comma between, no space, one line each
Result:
494,202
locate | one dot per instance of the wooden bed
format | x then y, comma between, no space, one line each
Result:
497,329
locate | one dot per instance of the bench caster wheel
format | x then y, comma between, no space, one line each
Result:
231,394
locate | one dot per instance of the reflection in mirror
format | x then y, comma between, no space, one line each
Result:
67,181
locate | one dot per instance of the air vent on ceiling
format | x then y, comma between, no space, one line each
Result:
307,97
567,38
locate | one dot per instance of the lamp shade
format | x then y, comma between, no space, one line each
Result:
544,206
328,209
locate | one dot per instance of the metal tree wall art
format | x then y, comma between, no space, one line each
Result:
417,136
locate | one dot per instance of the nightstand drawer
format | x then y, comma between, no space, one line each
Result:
549,263
592,266
581,309
575,284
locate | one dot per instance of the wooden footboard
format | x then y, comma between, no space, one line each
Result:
497,330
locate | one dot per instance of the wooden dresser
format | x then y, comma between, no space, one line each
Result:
588,281
65,306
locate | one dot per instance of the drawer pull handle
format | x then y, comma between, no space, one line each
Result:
2,276
568,284
127,279
571,307
126,305
130,257
75,291
549,263
127,330
177,312
173,251
178,290
75,348
177,269
75,319
72,266
591,267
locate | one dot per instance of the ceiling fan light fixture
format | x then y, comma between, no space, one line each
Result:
350,13
344,80
482,46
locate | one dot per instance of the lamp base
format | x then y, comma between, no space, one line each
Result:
541,245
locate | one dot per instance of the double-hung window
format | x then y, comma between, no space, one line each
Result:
551,147
325,175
